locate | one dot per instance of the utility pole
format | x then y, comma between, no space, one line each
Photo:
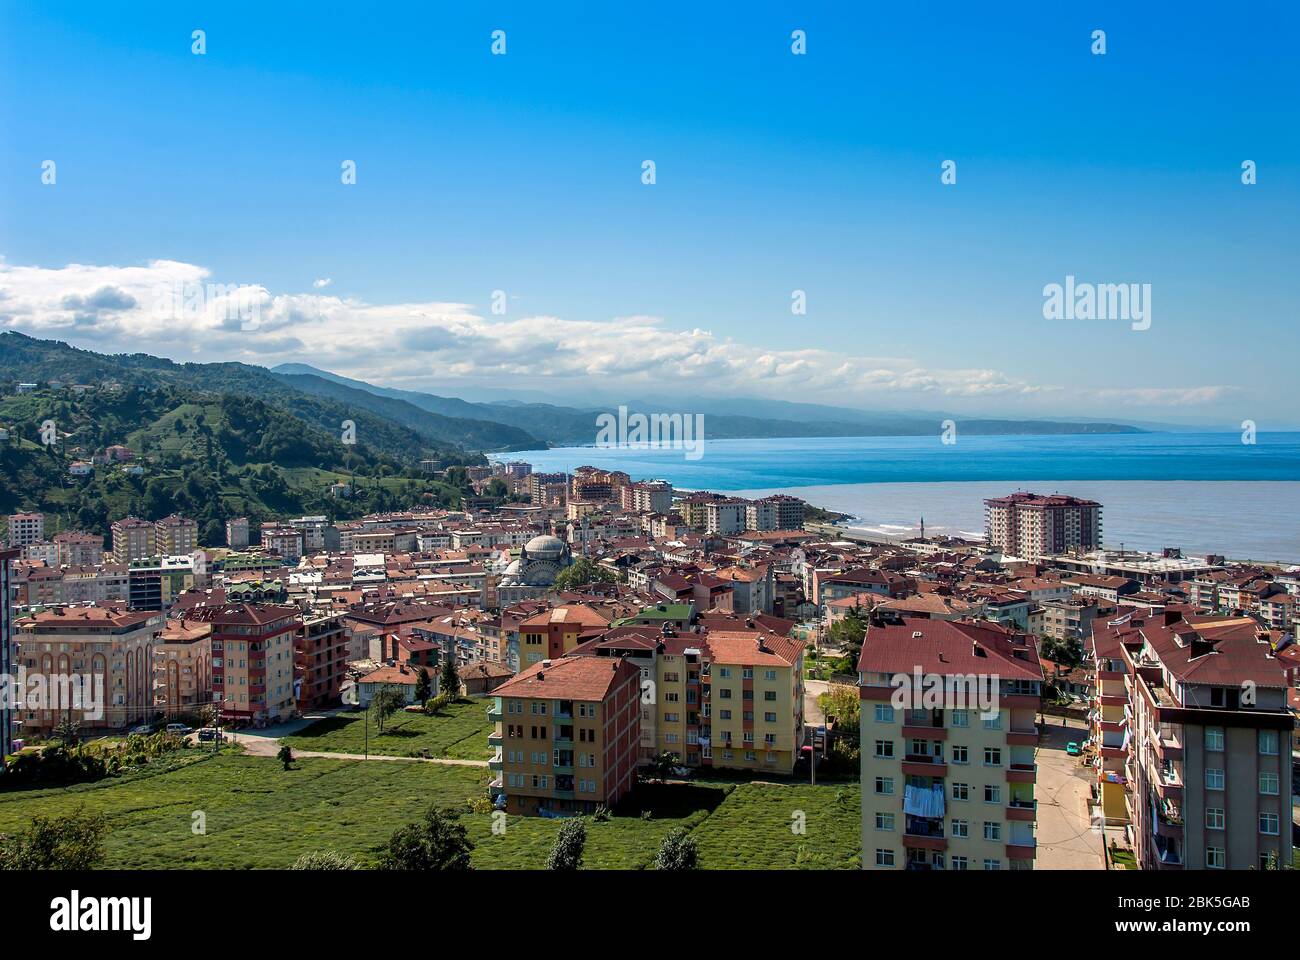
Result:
367,730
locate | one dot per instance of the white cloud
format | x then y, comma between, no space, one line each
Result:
321,283
177,310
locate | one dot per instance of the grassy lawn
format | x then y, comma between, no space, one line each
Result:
459,732
260,816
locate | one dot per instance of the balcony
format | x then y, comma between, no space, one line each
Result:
1022,773
1024,850
496,787
1022,810
924,765
494,714
921,732
1023,736
494,764
924,833
494,738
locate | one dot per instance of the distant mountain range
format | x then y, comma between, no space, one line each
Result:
558,425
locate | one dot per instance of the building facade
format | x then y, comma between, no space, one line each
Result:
1030,526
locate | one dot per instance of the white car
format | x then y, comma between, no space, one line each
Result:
179,729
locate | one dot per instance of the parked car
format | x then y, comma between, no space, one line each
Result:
207,734
1072,749
145,728
179,729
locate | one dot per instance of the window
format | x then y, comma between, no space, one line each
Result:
1268,742
1214,858
960,863
724,673
1268,823
960,718
1213,778
884,821
992,864
884,713
992,794
992,831
960,828
992,757
769,674
992,721
961,791
885,786
1268,783
1214,818
884,858
769,695
885,748
769,717
724,693
960,755
1214,738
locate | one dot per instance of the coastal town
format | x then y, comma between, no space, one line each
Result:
589,647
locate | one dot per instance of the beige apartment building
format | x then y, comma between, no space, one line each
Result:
133,539
109,648
182,663
1030,526
175,536
948,739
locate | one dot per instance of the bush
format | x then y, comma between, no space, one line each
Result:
326,860
72,842
678,851
567,852
438,704
602,814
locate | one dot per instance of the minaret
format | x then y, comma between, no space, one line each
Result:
923,528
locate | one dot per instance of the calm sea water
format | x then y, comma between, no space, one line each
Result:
1204,492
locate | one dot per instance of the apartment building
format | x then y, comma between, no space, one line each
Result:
320,660
252,659
25,528
547,488
175,536
552,633
1108,717
6,653
108,650
647,496
79,549
133,539
777,512
1031,526
948,738
1207,771
182,667
567,735
720,698
1072,619
237,533
724,517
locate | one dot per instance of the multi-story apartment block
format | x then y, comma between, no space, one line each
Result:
313,532
1207,772
109,652
567,735
175,536
648,496
237,533
252,659
724,517
722,698
1072,619
25,528
553,633
79,549
547,488
948,740
777,512
1031,526
6,653
182,665
320,660
133,539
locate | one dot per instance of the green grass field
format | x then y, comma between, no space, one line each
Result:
259,816
459,732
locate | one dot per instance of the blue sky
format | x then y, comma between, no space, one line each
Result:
775,173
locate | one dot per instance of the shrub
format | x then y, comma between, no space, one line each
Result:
326,860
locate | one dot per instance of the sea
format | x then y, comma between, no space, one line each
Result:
1200,492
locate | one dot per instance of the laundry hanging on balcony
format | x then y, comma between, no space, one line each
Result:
923,801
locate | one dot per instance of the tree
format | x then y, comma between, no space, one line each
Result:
661,766
678,851
423,685
285,756
847,633
1067,653
567,852
68,732
438,842
326,860
387,700
582,571
449,680
72,842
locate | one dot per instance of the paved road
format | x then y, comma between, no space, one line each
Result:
812,711
1066,839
